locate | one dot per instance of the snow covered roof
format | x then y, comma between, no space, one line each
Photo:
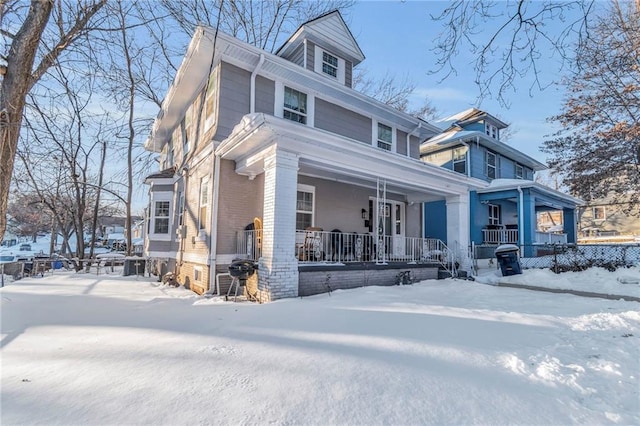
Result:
468,116
453,137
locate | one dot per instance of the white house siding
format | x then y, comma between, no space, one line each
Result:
342,121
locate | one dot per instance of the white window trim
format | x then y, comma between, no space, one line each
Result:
489,129
160,196
210,119
374,131
278,106
494,208
487,165
179,199
464,160
202,230
604,213
197,274
317,66
522,175
312,190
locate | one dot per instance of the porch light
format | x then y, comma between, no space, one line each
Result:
364,214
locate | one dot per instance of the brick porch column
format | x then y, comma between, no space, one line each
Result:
278,270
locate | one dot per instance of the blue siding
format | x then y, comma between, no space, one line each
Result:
477,161
479,127
435,220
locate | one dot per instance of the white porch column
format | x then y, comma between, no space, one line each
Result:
278,270
458,223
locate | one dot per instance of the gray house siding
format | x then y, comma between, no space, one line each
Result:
311,55
297,56
336,119
414,147
265,94
162,188
401,142
234,101
348,74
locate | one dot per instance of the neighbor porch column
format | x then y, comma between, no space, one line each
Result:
458,225
570,225
278,267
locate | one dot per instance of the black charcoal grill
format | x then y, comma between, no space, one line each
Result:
240,271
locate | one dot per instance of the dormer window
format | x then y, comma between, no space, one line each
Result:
329,64
491,130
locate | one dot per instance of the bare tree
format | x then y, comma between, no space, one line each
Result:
71,21
507,39
597,150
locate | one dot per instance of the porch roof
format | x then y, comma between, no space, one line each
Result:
554,199
329,156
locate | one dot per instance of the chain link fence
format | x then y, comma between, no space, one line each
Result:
571,257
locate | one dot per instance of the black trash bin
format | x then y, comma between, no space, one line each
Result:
507,255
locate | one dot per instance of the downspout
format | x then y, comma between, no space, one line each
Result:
418,127
520,217
252,107
185,181
213,247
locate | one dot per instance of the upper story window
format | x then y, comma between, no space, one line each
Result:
161,217
304,206
329,64
204,201
491,130
519,171
599,213
490,165
295,105
460,160
210,99
385,137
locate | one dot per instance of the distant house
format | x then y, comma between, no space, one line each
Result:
275,157
605,220
506,209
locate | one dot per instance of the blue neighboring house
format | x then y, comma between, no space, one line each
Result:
506,209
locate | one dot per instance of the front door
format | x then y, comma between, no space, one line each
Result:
394,227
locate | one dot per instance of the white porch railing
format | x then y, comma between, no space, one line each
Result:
500,236
550,238
340,247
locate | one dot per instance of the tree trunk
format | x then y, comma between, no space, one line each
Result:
13,92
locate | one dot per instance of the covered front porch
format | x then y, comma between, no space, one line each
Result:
330,202
508,211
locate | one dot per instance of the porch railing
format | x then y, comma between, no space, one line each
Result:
550,238
510,236
339,247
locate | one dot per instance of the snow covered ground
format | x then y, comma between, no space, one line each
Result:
103,349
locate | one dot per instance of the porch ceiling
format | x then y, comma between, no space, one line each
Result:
329,156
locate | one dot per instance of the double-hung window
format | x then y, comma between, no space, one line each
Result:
204,202
460,160
490,165
599,213
385,137
295,105
329,64
304,206
519,171
161,217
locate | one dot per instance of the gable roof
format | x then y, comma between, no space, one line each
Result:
468,116
329,31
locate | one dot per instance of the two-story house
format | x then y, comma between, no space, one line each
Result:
506,209
276,157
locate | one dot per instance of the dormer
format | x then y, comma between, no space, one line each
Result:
326,46
473,119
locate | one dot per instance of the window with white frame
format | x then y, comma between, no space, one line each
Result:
599,213
494,214
329,64
204,202
460,160
490,165
180,211
385,137
161,217
304,206
491,130
210,99
295,105
519,171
